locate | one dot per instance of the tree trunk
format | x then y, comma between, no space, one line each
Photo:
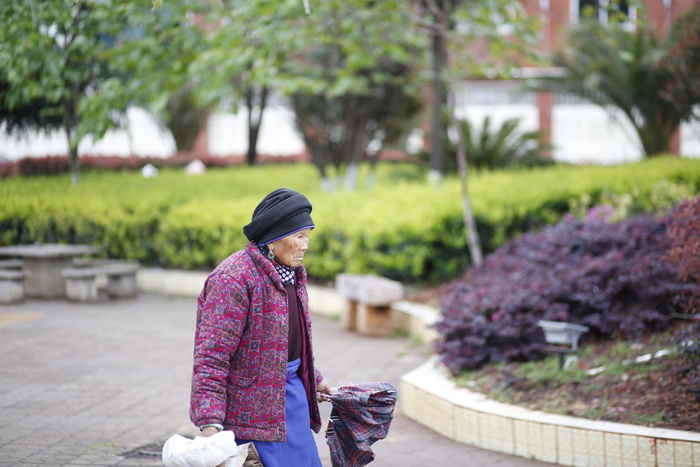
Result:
314,139
73,162
69,124
355,132
254,119
473,242
437,129
372,174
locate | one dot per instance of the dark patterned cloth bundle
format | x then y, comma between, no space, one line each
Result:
361,415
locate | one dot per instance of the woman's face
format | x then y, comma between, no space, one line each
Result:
290,250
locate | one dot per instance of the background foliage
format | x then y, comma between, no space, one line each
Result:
613,277
403,228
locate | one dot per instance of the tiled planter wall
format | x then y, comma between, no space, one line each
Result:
428,396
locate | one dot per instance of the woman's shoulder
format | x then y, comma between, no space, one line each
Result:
242,264
236,264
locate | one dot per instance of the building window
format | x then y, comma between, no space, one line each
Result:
604,11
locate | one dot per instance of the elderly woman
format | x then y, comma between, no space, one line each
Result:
253,356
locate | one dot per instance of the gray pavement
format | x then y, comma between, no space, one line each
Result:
106,384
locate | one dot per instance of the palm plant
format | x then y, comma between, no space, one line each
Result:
488,148
617,68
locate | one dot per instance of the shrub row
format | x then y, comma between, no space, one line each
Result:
613,277
52,165
402,228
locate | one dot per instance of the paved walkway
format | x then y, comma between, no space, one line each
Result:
106,384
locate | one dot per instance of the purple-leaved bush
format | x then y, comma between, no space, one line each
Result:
612,277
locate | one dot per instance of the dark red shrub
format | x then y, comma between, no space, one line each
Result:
50,165
684,232
684,254
118,163
8,169
612,277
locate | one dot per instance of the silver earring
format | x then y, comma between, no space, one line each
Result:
271,255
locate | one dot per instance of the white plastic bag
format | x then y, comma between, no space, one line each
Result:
239,459
211,451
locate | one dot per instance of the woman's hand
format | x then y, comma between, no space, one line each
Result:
208,431
324,391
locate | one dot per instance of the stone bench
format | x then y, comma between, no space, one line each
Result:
11,286
81,283
82,280
368,302
121,279
10,264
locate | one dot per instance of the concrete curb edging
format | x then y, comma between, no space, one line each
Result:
430,397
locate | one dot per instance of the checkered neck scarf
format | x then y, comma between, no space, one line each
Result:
286,272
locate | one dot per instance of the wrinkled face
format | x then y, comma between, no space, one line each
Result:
290,250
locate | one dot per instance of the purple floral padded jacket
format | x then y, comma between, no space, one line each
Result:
240,348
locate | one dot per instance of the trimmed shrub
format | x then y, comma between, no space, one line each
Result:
402,228
611,277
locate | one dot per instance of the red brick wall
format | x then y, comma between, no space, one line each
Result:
556,20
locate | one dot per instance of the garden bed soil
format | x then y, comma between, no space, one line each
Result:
663,393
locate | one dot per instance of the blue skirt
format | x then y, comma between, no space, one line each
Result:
299,450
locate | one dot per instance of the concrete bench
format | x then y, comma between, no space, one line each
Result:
119,277
11,286
81,284
11,264
368,302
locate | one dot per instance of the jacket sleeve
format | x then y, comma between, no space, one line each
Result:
222,310
318,377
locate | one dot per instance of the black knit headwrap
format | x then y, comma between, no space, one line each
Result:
279,214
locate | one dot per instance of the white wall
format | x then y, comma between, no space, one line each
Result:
499,114
690,140
585,133
228,133
581,133
143,136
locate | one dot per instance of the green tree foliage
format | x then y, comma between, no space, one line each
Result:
346,66
241,60
614,67
339,131
154,66
57,52
363,62
26,115
85,61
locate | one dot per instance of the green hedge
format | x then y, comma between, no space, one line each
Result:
402,228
